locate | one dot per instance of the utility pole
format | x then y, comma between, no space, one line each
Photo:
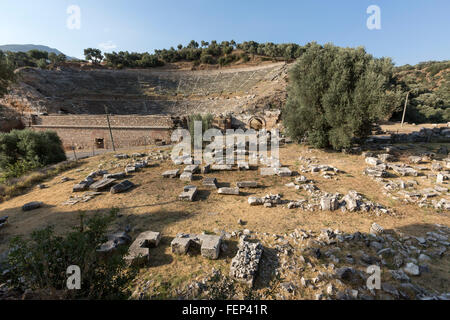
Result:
109,126
404,110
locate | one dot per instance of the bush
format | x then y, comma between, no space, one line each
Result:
335,95
23,150
41,261
206,123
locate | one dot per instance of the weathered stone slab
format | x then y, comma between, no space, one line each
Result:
171,173
415,159
375,172
283,172
210,182
210,246
229,191
122,187
329,203
121,156
385,157
32,206
83,185
373,161
255,201
405,171
130,169
117,176
267,171
181,245
139,249
188,194
193,168
102,184
222,167
247,184
114,241
186,176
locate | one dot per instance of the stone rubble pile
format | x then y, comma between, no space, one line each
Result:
245,264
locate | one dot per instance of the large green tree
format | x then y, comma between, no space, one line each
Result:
93,55
6,74
336,94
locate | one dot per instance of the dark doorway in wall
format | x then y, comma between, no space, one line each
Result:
100,143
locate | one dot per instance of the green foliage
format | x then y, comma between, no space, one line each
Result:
124,59
429,87
41,261
24,150
57,58
206,123
32,58
336,94
93,55
6,74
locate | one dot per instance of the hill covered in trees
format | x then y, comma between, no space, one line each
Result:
429,87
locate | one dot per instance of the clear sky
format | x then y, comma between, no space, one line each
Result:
411,30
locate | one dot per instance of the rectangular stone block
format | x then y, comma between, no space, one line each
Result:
117,176
283,172
210,182
247,184
267,171
186,176
171,173
188,194
210,246
122,187
102,185
181,245
193,168
139,249
229,191
222,167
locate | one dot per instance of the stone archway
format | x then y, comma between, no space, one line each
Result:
257,123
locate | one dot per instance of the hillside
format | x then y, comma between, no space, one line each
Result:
28,47
429,84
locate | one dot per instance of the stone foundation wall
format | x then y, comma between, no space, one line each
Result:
87,132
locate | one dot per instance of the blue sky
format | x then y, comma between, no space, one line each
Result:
411,30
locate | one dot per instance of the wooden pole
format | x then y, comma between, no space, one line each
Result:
404,109
110,131
74,153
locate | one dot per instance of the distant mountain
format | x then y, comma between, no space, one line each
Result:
28,47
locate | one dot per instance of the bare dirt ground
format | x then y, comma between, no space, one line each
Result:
153,205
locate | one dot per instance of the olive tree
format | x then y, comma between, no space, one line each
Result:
336,94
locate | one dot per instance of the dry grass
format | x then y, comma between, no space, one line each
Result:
21,185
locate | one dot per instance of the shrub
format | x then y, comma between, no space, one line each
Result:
206,123
41,261
335,95
26,149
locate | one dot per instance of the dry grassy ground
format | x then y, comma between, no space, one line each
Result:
153,205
